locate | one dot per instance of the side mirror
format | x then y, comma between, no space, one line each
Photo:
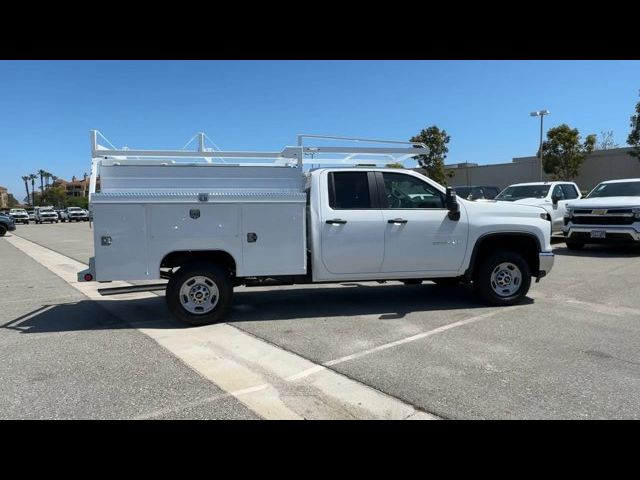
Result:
451,204
554,198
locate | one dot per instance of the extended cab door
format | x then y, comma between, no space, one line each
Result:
419,236
352,228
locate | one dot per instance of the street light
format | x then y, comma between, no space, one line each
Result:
541,114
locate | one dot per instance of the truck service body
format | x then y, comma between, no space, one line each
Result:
211,226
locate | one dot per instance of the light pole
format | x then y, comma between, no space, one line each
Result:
541,114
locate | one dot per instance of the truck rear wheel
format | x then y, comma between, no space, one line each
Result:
199,294
503,278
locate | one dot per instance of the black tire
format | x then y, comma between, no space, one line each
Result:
412,281
574,245
3,230
215,275
446,282
486,286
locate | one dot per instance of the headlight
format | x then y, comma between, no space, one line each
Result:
569,212
545,216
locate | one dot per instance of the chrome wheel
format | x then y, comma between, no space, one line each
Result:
506,279
199,295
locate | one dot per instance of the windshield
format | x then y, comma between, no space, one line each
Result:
618,189
47,209
73,209
17,210
523,191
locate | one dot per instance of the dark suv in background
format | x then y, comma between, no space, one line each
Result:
7,224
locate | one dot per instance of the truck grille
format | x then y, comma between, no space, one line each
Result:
602,220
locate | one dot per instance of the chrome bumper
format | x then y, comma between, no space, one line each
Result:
632,232
546,260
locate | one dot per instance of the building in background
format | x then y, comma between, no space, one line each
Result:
599,166
4,197
76,188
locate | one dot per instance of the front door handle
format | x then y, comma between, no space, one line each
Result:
396,221
336,221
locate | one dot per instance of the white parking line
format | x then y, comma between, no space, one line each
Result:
269,380
413,338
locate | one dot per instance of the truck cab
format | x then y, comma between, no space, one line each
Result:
19,215
46,214
552,196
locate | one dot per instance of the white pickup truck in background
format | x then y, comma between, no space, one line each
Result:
610,213
552,196
208,227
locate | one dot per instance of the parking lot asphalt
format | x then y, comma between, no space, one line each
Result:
62,357
570,351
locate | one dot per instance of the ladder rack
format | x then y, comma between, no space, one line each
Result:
289,156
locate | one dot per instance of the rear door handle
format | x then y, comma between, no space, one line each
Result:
397,221
336,221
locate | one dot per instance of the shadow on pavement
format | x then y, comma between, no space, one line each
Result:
613,251
388,301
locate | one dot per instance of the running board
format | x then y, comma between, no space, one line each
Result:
132,289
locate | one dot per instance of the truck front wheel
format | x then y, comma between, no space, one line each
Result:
503,278
199,294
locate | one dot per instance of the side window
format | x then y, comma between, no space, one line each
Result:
569,192
557,190
349,190
405,191
491,193
476,193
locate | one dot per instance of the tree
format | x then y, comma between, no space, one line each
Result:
11,201
433,162
42,174
563,154
56,195
606,141
33,177
634,136
25,179
82,202
395,165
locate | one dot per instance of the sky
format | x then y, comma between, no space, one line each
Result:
48,107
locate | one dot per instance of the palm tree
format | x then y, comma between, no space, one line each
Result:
25,179
42,174
33,177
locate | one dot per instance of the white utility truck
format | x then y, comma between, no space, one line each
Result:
225,219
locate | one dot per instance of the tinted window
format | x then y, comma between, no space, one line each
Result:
523,191
462,192
405,191
557,191
349,190
490,192
569,192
